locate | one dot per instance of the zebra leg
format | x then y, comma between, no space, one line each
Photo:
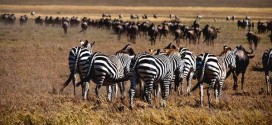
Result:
97,92
209,94
201,94
109,92
148,91
86,90
122,90
189,80
267,79
165,92
132,92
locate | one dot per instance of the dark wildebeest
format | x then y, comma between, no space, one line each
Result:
262,27
153,33
133,16
243,23
242,61
209,34
121,16
65,25
179,34
119,30
132,32
228,18
23,20
106,15
252,37
144,16
39,21
84,26
163,31
232,17
155,16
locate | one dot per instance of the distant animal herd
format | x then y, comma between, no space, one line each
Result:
157,72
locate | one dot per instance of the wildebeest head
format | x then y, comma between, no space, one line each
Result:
127,49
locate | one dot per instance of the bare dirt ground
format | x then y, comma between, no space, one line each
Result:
34,63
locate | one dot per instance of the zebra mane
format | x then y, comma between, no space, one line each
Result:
127,49
224,52
170,51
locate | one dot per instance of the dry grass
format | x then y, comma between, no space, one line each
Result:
33,64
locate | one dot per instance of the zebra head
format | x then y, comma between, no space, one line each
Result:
87,45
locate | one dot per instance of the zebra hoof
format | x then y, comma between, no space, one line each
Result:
163,103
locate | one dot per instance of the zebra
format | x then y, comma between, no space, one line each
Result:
77,59
267,66
186,71
212,70
106,70
152,69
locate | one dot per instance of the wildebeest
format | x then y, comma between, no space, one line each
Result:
132,32
228,18
84,26
232,17
106,15
144,16
153,33
179,34
121,16
155,16
242,61
23,20
65,25
133,16
252,37
163,31
209,34
243,24
33,13
262,27
39,20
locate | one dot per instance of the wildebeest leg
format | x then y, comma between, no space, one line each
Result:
242,80
235,85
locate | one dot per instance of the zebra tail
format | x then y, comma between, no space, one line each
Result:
195,87
203,67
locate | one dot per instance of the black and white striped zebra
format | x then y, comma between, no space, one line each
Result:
212,70
267,66
105,71
77,59
187,71
152,69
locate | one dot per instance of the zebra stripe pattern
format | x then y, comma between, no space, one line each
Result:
212,70
152,69
77,58
267,66
188,69
107,70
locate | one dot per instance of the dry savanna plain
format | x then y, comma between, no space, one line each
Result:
34,65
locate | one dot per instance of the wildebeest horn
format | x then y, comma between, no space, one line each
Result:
249,52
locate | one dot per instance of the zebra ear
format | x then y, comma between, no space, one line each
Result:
92,43
81,42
